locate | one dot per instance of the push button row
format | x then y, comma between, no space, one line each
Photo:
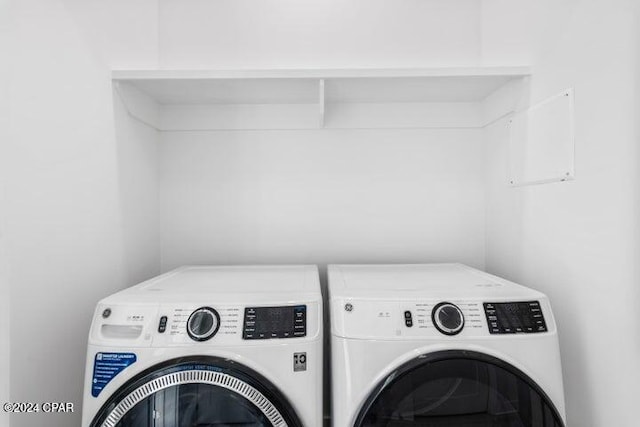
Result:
162,326
252,335
408,319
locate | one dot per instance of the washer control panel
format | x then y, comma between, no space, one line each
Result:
208,324
514,317
261,323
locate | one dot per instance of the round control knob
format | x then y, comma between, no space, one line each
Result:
203,324
447,318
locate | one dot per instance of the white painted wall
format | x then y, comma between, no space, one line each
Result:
322,196
319,33
138,180
73,224
578,241
5,368
120,34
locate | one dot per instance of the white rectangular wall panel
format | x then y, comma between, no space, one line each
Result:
541,145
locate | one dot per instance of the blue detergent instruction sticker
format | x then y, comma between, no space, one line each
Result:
106,366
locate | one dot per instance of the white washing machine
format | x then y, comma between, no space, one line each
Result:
441,345
208,346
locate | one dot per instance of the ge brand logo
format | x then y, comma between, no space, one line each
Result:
348,307
299,362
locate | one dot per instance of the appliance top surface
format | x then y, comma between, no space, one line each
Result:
404,281
246,283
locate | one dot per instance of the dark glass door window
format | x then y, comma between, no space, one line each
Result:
189,393
191,405
458,389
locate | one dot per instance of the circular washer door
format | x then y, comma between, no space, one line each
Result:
197,391
458,388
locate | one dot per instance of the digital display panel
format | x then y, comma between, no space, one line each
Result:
274,319
515,317
275,322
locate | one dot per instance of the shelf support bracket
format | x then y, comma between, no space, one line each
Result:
139,106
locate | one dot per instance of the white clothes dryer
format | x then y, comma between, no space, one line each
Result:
208,346
441,345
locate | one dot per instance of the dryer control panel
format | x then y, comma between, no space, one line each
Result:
514,317
261,323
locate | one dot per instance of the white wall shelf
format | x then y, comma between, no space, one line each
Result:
174,100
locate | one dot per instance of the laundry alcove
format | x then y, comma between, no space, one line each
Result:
288,166
327,166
